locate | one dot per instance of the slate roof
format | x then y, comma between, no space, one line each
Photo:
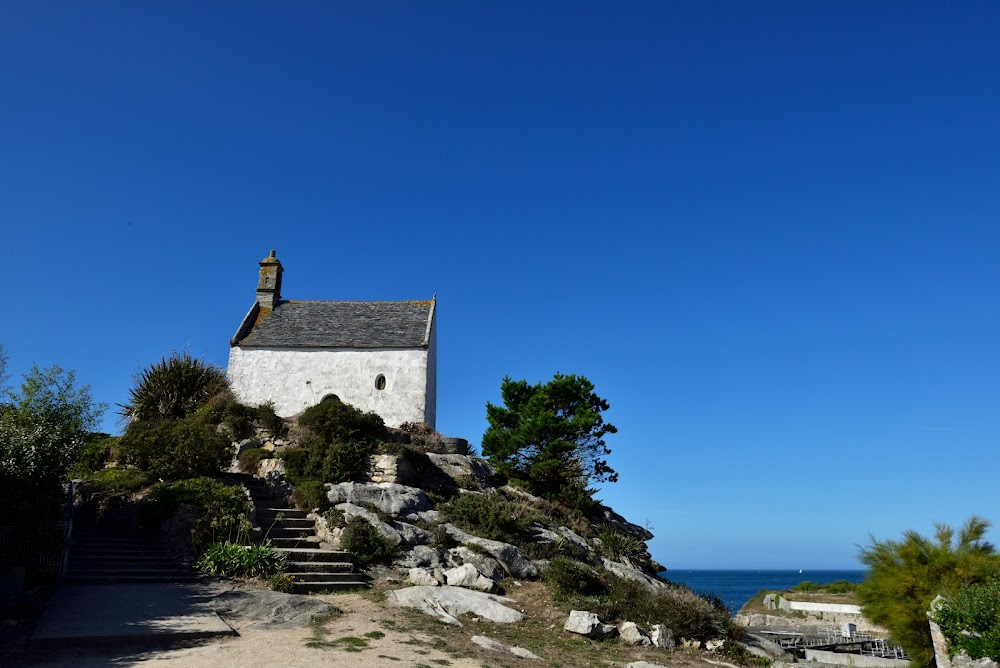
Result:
322,324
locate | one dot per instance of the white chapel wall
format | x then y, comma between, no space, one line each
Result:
295,379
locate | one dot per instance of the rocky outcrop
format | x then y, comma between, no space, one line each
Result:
469,577
507,555
631,634
391,498
448,603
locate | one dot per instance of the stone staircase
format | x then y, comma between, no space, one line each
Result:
100,556
311,567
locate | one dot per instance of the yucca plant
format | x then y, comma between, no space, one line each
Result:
621,546
173,388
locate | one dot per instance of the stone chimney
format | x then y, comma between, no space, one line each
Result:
269,287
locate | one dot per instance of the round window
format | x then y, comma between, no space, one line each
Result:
380,382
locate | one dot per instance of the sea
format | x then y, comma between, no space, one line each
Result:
735,588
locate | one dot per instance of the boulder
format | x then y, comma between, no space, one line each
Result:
587,624
714,645
428,516
447,603
486,565
391,498
661,636
467,576
461,468
412,535
422,577
507,555
523,653
418,556
631,634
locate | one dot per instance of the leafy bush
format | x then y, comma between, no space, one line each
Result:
224,509
119,480
267,419
333,420
334,518
970,620
175,449
249,460
230,559
310,494
281,582
572,577
364,541
490,515
97,452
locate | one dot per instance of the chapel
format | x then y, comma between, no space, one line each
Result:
377,356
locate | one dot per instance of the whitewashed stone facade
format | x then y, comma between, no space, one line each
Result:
377,356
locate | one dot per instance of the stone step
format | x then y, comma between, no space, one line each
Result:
309,543
318,587
271,511
319,566
307,554
324,577
288,523
281,532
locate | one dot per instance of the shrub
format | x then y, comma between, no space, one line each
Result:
364,541
223,508
310,494
249,460
490,515
837,587
230,559
623,547
905,576
970,620
175,449
687,613
173,388
572,577
268,420
98,450
336,421
334,518
119,480
281,582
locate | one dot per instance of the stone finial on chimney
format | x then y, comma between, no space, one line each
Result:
269,287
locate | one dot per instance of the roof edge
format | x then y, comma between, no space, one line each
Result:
430,320
244,329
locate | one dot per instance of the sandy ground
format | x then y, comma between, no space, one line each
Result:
310,646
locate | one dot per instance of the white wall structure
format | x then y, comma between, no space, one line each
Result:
377,356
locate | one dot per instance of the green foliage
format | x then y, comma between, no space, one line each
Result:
572,577
310,494
364,541
268,420
491,515
837,587
230,559
905,576
223,509
249,460
43,427
970,620
172,389
337,440
281,582
549,435
624,547
739,654
98,451
334,518
176,449
119,480
336,421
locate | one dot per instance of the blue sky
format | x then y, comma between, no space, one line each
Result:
766,231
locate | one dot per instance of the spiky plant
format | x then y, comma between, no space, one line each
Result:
173,388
